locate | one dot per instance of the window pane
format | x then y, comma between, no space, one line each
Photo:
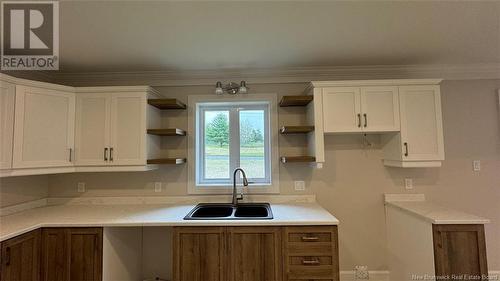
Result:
216,144
252,155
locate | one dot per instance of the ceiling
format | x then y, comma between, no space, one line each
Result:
123,36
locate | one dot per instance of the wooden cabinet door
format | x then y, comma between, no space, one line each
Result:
21,258
92,138
7,102
341,110
199,254
72,254
128,129
421,123
460,250
254,254
44,128
380,109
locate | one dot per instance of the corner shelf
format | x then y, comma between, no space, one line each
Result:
167,103
167,132
295,100
172,161
296,129
297,159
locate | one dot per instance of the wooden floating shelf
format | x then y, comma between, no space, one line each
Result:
167,132
172,161
298,159
167,103
295,100
296,129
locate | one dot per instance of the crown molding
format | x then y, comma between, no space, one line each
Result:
276,75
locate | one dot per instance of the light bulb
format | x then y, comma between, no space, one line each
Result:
243,87
218,88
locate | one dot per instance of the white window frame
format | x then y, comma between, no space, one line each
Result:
196,105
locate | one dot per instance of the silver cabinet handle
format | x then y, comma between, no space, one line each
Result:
310,262
366,120
70,154
406,149
309,238
105,154
111,154
359,120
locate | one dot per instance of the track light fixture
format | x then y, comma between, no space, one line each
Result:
231,88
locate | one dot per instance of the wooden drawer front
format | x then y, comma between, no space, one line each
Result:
310,261
312,249
311,253
310,237
310,272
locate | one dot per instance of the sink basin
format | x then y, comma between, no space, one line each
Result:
251,211
243,211
214,211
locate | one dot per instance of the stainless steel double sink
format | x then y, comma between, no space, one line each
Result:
221,211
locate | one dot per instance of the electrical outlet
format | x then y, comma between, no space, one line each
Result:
361,272
408,183
81,187
299,185
476,165
157,186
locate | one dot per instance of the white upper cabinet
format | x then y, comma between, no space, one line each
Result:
128,129
44,128
341,110
360,109
7,101
92,139
111,128
420,143
380,109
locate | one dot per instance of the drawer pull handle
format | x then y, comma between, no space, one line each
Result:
310,238
311,262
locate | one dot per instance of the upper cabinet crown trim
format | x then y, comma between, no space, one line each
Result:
108,89
382,82
36,84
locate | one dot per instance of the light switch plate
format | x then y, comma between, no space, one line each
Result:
299,185
157,186
476,165
81,187
408,183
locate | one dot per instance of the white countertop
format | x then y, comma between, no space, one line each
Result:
434,213
150,215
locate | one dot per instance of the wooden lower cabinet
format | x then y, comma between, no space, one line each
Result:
255,253
199,253
53,254
311,253
460,250
71,254
20,258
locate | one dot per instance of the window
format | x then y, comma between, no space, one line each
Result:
232,135
228,135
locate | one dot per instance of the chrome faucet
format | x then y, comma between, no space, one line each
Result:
245,183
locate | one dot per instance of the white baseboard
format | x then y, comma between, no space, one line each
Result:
375,275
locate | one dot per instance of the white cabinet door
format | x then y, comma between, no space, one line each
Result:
421,123
92,138
128,129
7,101
380,109
44,128
341,110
